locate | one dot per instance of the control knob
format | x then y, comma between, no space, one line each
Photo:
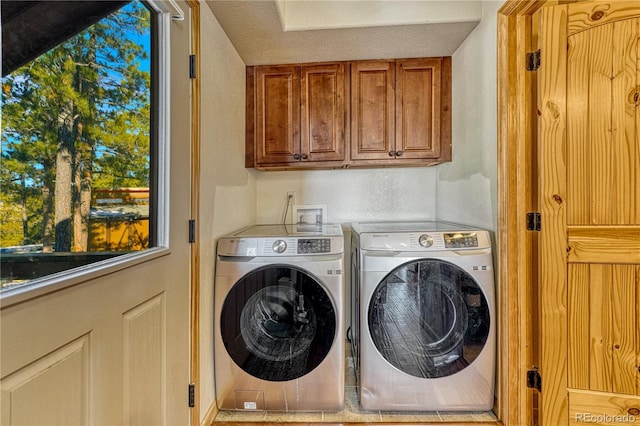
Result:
425,240
279,246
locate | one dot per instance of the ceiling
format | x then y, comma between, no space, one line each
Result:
336,30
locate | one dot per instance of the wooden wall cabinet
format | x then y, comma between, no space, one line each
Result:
401,111
299,114
395,112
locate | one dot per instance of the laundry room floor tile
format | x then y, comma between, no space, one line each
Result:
352,412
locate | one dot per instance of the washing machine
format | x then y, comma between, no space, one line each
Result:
279,319
423,324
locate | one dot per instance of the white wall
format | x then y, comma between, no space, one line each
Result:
467,187
227,189
351,195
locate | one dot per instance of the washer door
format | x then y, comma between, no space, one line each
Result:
278,323
429,318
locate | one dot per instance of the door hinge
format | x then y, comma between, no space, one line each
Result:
192,66
192,395
192,231
534,221
534,380
533,60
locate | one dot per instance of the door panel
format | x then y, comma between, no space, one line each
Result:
602,316
372,110
277,113
323,112
143,331
590,198
61,378
113,349
418,107
601,142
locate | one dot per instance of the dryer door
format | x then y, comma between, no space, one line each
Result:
278,323
429,318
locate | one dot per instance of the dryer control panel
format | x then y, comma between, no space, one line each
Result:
460,239
425,241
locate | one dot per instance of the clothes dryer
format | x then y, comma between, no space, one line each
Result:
279,331
425,316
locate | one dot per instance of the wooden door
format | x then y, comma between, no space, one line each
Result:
111,349
322,106
372,110
277,114
589,164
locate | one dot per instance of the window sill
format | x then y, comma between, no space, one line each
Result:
48,284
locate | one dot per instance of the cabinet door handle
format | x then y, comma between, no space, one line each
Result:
296,156
305,156
399,154
392,153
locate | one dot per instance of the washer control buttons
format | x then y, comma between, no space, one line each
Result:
314,245
425,240
279,246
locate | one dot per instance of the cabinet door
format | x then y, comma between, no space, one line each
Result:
277,114
322,106
418,108
372,110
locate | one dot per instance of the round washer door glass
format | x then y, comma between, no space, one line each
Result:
429,318
278,323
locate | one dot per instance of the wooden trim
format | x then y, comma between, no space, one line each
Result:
461,423
250,119
604,244
516,196
553,189
209,418
445,110
195,209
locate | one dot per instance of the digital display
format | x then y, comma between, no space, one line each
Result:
314,245
460,240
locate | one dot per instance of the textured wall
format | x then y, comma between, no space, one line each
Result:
467,187
351,195
227,189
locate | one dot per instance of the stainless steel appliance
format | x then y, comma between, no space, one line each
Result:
279,332
423,323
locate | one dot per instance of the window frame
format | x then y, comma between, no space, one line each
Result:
165,12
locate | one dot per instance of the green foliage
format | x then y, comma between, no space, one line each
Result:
99,84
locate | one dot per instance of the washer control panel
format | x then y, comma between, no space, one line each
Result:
314,245
283,246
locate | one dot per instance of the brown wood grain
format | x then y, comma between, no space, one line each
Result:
418,107
611,244
552,181
277,113
586,406
372,109
322,135
588,14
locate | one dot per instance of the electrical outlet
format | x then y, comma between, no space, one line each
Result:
291,197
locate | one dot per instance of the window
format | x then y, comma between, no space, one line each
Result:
79,149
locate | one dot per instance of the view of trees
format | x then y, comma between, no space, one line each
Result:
75,119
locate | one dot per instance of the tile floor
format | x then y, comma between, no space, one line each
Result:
352,412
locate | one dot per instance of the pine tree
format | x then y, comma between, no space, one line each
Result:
76,118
